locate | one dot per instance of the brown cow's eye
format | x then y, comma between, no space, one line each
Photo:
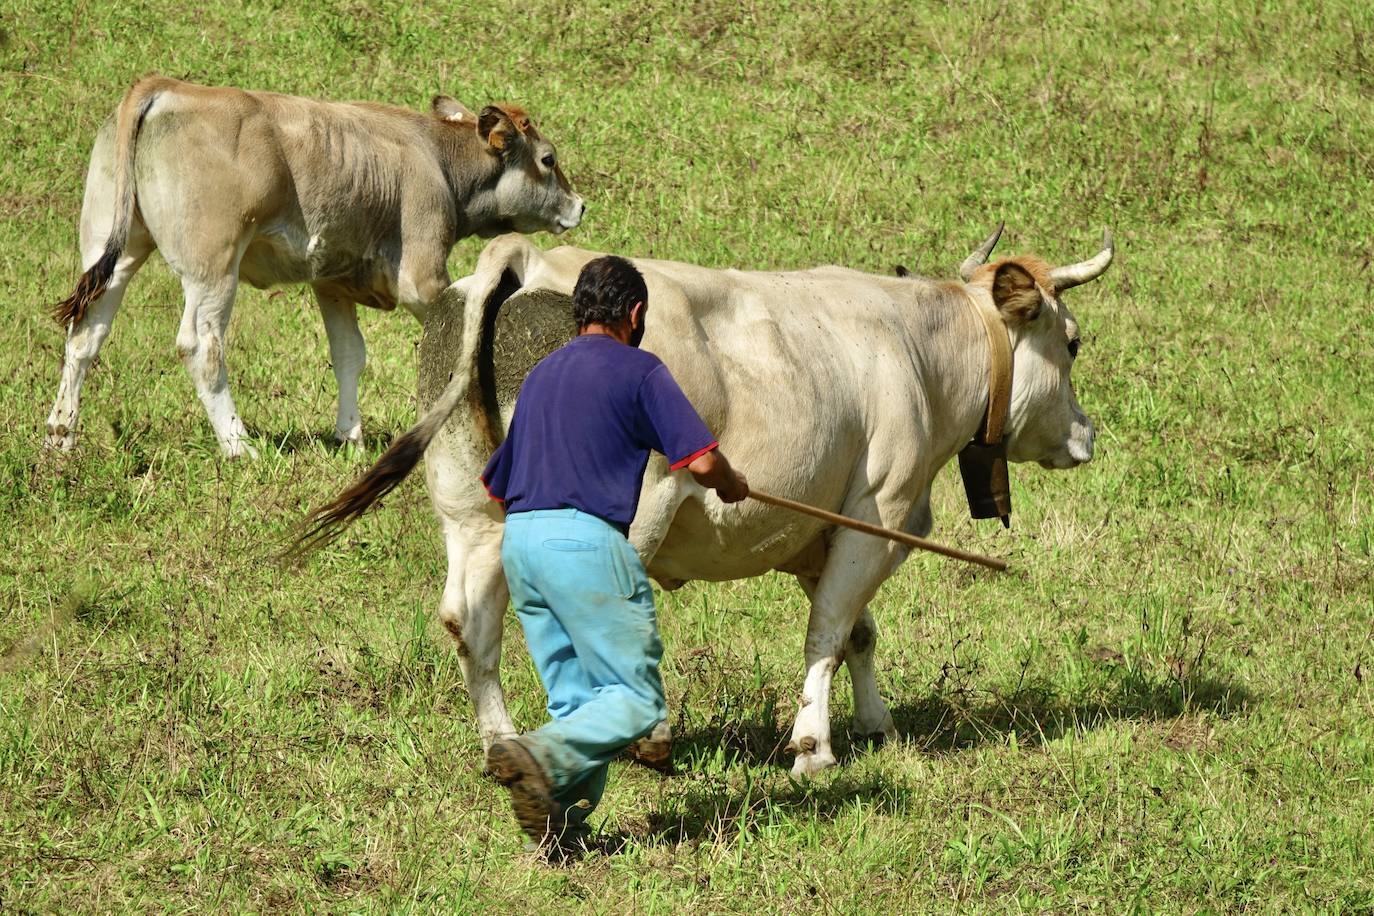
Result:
1073,348
548,161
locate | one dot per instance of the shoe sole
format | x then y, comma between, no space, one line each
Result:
531,796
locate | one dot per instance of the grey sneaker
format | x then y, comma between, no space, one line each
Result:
654,750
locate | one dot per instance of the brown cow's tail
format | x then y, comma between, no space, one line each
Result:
128,123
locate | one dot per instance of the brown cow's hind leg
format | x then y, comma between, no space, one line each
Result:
200,341
85,337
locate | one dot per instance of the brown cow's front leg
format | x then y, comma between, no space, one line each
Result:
422,277
348,354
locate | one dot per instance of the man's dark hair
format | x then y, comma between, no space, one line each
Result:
606,290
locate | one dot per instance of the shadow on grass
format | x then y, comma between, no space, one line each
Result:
946,720
954,721
714,810
942,722
289,443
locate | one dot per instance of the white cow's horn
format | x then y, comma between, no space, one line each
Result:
980,256
1080,273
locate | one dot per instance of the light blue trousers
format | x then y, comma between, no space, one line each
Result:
587,609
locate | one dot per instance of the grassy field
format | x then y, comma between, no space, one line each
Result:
1166,707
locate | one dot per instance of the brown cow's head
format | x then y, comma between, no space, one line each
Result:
532,193
1046,423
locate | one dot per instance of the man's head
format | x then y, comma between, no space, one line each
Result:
611,293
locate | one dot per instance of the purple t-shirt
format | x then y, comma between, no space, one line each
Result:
585,421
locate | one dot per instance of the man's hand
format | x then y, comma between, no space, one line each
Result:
713,471
735,489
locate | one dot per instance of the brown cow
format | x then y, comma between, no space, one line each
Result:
362,201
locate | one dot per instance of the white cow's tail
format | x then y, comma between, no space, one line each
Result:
329,521
128,123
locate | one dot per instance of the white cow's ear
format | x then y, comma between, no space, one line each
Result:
1015,293
450,109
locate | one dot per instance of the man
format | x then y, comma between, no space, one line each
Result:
569,475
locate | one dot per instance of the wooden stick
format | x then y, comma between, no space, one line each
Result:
900,537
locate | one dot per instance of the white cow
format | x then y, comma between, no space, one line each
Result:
361,201
841,389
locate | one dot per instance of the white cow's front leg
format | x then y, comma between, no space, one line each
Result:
473,611
811,732
854,567
348,354
872,720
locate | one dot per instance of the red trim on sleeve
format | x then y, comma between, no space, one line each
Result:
487,487
679,465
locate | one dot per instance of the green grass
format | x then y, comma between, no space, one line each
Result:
1168,704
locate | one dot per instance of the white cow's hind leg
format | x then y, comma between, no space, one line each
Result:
200,341
473,610
348,354
85,337
872,720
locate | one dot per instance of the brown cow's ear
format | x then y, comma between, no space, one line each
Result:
495,128
450,109
1015,293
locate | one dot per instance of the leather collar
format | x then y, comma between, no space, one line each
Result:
1000,368
983,462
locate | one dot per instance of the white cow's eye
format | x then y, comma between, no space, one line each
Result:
1073,348
548,161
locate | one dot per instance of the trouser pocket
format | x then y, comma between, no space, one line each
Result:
570,545
625,568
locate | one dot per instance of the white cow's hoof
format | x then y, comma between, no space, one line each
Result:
877,734
60,439
61,436
811,764
240,449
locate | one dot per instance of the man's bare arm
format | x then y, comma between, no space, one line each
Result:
713,471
